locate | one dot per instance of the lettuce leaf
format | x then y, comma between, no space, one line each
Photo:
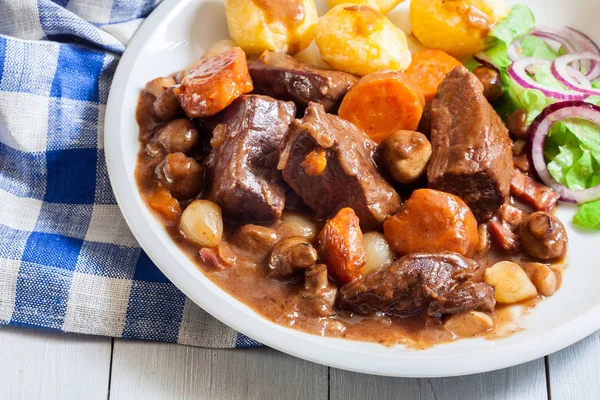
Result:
572,149
588,215
519,22
573,156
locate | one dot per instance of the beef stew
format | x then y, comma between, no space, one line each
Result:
286,214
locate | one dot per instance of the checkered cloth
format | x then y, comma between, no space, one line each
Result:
67,259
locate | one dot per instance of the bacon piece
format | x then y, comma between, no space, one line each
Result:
533,193
504,227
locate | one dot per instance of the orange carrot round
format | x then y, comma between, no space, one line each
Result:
382,103
432,221
429,68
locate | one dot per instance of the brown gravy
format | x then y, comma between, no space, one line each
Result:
247,281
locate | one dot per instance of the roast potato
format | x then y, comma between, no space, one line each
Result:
361,40
260,25
458,27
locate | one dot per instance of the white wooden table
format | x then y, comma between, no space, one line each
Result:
47,365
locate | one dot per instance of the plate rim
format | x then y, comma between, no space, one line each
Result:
269,333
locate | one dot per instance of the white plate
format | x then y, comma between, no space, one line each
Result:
176,34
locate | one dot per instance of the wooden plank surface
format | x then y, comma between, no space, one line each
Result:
524,382
146,370
48,365
37,364
575,371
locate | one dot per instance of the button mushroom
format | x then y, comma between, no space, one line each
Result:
182,175
180,135
543,236
492,86
405,155
291,255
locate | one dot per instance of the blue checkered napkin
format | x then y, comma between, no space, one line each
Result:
67,259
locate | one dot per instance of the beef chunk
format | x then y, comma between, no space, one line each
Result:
417,281
327,161
472,155
241,166
469,296
285,78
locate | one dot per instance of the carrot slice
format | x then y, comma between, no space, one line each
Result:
166,206
432,221
214,83
429,68
341,246
382,103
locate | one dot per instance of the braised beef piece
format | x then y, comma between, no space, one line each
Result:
472,156
241,167
416,281
283,77
327,161
468,296
531,192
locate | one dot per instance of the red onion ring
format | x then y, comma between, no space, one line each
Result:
566,76
588,44
538,133
562,36
518,72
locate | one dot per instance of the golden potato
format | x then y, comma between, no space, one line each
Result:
280,25
385,6
510,282
361,40
458,27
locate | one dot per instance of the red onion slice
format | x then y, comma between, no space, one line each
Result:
538,133
587,44
518,72
573,79
562,36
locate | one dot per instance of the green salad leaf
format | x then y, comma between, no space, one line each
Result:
519,22
588,215
572,149
573,153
